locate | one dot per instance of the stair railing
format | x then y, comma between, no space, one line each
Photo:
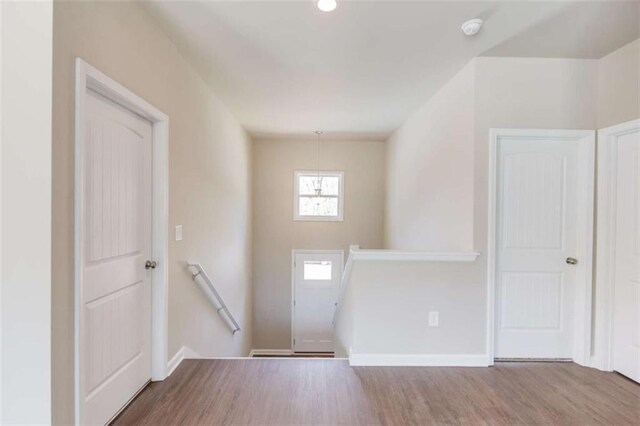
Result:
198,272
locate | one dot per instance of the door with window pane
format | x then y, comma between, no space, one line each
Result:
316,283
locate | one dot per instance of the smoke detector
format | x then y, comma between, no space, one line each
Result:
471,27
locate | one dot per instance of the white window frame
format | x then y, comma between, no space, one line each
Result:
296,196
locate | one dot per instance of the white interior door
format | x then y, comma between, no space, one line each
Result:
538,188
316,283
625,145
115,322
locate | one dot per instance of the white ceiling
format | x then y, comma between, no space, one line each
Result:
284,68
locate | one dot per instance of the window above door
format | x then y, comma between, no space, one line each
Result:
318,196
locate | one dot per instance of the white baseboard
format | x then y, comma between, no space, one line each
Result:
175,361
480,360
598,363
191,354
273,352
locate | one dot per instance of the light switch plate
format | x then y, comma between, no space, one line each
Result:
434,319
178,232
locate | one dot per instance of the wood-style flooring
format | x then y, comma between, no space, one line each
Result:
299,355
330,392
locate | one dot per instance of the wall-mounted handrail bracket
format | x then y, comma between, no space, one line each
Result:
215,297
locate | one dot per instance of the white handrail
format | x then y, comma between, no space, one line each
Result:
222,307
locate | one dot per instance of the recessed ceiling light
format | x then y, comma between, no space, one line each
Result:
327,5
471,27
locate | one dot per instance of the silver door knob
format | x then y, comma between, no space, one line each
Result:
571,261
150,264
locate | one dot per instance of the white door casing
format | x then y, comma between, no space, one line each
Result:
120,222
542,215
619,243
316,284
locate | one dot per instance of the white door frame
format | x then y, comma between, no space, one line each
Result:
88,77
606,249
585,224
293,281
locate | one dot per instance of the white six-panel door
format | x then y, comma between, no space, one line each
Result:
115,314
537,197
620,195
316,282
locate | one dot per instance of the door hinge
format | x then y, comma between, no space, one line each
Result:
294,303
294,341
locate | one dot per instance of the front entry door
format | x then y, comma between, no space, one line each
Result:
115,322
623,141
538,193
317,278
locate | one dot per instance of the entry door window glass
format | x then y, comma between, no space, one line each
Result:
317,270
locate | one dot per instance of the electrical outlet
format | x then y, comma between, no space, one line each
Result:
178,232
434,319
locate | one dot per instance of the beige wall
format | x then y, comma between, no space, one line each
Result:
429,202
619,86
394,301
209,180
439,157
276,234
25,229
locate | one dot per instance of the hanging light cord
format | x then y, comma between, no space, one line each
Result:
318,183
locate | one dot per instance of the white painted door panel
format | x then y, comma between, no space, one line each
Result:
626,306
537,187
116,288
316,282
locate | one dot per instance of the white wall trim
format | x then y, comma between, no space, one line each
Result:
272,352
426,360
606,250
175,361
491,245
88,77
186,353
294,252
399,255
585,220
344,282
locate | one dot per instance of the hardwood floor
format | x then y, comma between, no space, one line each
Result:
328,392
300,355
